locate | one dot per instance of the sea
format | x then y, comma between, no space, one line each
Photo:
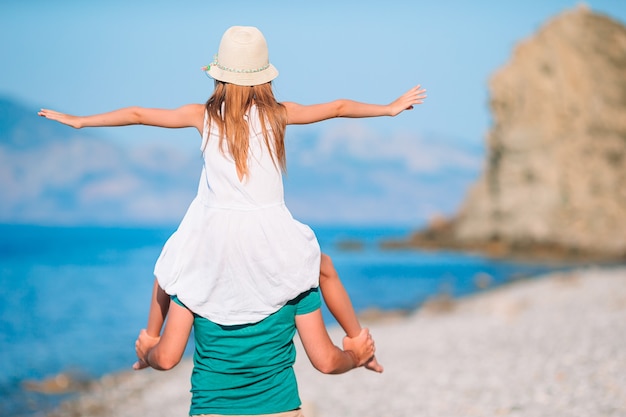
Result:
73,299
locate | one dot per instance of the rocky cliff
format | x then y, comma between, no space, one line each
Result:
555,174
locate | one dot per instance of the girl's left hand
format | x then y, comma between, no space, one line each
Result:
406,101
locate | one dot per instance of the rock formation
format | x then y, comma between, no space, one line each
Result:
555,172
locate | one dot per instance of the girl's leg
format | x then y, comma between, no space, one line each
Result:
159,306
338,302
337,299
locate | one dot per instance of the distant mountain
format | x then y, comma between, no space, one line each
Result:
352,175
20,124
555,178
53,174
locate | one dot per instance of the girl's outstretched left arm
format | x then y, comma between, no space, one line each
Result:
305,114
191,115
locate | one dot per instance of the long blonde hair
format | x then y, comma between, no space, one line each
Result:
227,107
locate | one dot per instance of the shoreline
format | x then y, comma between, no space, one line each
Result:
441,234
548,345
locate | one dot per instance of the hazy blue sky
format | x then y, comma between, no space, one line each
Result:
88,56
85,57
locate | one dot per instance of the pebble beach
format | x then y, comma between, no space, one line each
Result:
546,346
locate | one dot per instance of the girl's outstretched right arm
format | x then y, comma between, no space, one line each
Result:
191,115
305,114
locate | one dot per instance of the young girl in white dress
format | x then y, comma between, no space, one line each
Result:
238,255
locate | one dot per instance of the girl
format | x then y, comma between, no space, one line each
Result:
238,256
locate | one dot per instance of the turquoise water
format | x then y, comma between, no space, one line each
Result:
74,299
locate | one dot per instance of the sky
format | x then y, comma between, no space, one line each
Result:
86,57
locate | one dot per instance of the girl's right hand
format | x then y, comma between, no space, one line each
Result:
361,346
66,119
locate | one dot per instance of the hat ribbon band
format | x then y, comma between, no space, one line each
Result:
238,71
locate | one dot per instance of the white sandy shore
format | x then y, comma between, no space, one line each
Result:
548,347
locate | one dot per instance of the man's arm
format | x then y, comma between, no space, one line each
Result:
169,349
323,354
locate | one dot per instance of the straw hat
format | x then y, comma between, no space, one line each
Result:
242,58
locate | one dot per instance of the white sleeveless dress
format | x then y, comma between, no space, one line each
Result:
238,254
